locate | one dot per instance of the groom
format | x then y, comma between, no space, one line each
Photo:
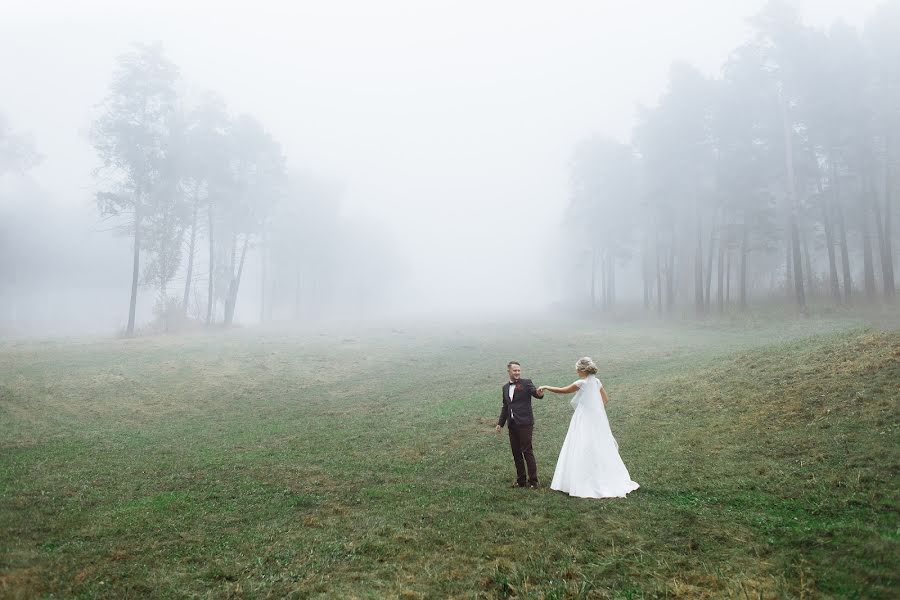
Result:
516,411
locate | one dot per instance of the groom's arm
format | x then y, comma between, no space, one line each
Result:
504,411
534,391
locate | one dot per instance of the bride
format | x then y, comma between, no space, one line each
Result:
589,465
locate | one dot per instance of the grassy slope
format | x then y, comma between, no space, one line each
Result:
367,467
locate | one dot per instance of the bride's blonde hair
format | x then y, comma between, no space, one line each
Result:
586,365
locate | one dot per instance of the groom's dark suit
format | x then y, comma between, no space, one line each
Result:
517,413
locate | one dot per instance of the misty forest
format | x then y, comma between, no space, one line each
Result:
230,369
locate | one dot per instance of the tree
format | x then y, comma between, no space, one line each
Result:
132,137
304,242
256,169
206,176
792,151
167,220
883,37
745,133
781,39
675,144
17,155
603,208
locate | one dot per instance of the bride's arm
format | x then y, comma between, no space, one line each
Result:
604,396
566,390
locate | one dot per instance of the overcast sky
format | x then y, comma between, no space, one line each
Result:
450,122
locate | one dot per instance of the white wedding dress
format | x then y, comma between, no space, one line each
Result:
589,465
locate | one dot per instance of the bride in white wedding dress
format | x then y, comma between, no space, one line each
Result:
589,465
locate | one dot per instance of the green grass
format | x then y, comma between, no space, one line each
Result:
364,465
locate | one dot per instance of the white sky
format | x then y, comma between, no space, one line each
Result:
450,122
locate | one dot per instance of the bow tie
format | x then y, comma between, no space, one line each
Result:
513,382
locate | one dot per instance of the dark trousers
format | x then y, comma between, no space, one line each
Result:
520,442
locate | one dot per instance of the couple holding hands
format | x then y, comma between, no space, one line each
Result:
589,465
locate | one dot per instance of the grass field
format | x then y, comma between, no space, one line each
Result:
254,465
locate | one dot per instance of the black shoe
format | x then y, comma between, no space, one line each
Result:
516,484
534,485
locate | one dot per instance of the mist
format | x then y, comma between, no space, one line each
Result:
425,156
285,285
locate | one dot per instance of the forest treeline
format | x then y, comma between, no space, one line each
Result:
776,179
190,180
196,189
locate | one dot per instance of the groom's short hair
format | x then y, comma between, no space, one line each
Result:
511,363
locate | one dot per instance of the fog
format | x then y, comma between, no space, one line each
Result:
443,133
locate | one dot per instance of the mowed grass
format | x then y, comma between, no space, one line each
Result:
278,464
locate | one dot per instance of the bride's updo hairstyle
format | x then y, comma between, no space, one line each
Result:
586,365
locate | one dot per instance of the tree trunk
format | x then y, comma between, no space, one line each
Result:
709,262
164,262
670,274
611,285
845,255
240,272
659,291
807,265
698,268
229,309
789,270
870,204
798,267
842,229
833,283
720,273
262,281
136,266
728,278
887,257
879,229
604,276
645,272
603,294
868,265
832,262
190,266
235,284
745,250
793,205
212,266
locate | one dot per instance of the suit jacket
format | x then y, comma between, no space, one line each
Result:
519,409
